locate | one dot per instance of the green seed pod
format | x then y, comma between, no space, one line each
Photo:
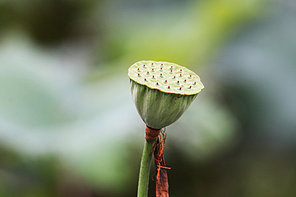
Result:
162,91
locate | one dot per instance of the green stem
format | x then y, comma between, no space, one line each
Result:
145,168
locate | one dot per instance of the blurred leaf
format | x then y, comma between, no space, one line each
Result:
186,34
204,130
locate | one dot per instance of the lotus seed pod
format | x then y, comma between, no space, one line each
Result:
162,91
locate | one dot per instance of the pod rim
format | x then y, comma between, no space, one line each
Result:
166,77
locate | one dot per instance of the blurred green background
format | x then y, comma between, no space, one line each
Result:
68,125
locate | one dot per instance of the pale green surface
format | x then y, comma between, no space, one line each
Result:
166,77
145,168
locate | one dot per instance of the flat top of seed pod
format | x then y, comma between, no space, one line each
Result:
166,77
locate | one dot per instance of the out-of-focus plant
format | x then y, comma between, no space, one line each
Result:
50,106
98,154
49,22
192,34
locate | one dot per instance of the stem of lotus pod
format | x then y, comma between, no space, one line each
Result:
145,168
162,91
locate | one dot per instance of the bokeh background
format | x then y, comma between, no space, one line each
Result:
68,125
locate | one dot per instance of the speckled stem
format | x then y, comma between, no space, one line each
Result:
145,168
